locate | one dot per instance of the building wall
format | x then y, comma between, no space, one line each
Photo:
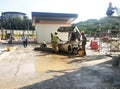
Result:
43,32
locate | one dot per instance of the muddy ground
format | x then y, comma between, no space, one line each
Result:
25,68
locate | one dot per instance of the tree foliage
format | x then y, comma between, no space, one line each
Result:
92,25
88,26
16,24
110,23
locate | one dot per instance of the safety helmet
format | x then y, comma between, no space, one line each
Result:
56,32
82,32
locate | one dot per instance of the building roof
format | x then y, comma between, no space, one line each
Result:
43,17
13,13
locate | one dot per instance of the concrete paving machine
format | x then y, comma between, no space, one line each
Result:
72,45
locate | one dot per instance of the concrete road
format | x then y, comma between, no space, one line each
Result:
24,68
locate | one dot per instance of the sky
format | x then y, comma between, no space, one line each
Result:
86,9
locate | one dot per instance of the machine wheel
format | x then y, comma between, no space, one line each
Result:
69,48
75,51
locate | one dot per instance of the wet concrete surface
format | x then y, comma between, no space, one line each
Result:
25,68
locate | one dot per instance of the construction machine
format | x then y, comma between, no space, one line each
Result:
72,45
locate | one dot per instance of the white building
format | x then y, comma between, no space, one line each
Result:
47,23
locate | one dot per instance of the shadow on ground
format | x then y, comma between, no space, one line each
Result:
100,76
87,58
49,51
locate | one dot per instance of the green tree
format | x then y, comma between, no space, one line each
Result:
110,23
89,26
16,24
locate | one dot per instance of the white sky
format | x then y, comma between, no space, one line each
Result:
86,9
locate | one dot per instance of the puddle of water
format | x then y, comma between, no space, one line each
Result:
50,62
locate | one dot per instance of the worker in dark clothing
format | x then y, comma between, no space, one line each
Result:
110,10
24,39
73,36
84,41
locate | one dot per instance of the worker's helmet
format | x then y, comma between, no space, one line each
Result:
56,32
44,42
82,32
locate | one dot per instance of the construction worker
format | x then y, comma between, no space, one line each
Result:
84,40
43,45
55,40
24,39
